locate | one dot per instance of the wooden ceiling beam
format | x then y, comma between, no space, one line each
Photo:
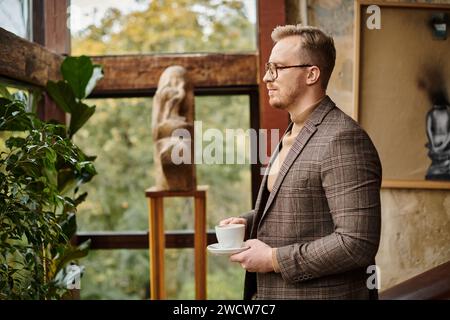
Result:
27,62
210,70
31,63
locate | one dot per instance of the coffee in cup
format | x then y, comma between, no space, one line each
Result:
230,235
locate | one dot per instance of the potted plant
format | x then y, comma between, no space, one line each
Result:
40,173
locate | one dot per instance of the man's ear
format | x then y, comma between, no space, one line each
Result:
313,75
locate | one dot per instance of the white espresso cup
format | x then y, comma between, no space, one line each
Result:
230,235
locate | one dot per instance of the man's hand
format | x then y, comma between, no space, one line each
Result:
256,259
233,220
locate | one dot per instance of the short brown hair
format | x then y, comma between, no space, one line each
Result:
318,46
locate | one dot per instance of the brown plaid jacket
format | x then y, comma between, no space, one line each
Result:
323,213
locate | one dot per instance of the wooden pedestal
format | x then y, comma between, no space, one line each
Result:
157,240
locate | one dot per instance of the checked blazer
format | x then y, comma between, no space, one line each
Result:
323,214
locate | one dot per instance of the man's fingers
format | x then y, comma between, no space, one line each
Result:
233,258
237,257
225,221
232,220
250,242
235,220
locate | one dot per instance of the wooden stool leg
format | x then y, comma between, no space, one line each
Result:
157,246
200,248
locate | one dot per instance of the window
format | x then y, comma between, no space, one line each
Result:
119,133
125,27
15,17
115,275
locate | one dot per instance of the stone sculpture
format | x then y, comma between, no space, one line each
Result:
432,81
173,131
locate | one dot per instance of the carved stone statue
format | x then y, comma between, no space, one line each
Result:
438,132
431,79
173,131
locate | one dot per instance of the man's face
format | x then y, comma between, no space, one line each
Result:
290,84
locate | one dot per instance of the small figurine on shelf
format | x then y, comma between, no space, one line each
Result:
438,132
437,126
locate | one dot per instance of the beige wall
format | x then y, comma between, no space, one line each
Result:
416,223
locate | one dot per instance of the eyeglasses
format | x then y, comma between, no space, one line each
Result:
273,68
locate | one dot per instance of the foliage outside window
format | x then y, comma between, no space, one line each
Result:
120,134
168,26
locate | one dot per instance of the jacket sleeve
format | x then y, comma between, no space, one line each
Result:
351,181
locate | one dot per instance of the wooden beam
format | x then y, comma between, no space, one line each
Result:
254,124
31,63
27,62
139,239
415,184
199,192
430,285
39,22
432,6
57,34
50,25
50,30
200,244
134,73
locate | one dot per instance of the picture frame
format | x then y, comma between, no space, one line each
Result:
401,56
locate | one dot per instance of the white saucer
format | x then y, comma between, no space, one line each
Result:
215,249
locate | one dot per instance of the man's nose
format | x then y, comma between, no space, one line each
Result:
267,77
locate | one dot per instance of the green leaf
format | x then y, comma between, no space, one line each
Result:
87,171
28,168
50,170
66,180
56,129
52,177
69,226
4,101
13,116
72,253
77,71
15,142
90,158
50,156
79,117
86,157
62,94
81,198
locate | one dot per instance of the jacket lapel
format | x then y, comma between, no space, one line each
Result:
266,172
302,139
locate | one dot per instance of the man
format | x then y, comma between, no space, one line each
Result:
316,224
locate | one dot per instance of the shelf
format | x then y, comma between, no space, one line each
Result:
415,184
